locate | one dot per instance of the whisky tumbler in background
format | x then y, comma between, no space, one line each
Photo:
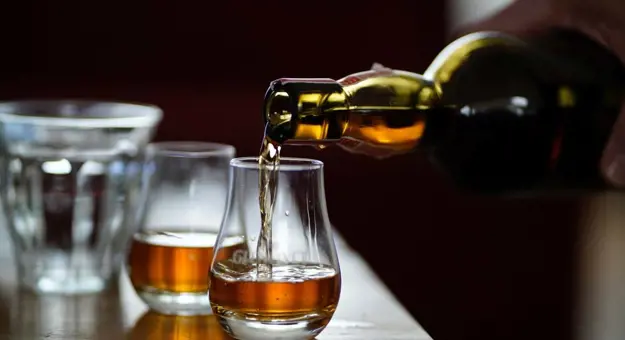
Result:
286,283
69,170
183,202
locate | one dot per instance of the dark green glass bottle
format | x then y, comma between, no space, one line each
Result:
499,114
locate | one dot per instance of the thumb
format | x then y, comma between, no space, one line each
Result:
613,160
519,18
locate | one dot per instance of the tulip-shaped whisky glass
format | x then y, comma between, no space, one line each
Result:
183,201
289,287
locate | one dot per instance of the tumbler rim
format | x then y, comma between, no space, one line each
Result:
191,149
286,163
80,113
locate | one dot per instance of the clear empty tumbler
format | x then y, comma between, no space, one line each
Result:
69,176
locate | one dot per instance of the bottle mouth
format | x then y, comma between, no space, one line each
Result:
278,110
278,113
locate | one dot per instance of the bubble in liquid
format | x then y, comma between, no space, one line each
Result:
287,213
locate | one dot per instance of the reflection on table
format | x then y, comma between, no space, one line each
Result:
24,315
154,326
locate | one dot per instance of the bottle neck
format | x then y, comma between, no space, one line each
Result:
381,106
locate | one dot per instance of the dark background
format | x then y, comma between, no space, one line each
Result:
485,268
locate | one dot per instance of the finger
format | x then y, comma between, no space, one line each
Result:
613,159
377,152
520,17
345,147
348,143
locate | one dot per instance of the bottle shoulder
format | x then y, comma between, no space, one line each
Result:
486,66
527,113
452,57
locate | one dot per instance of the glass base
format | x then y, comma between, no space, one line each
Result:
67,286
251,326
59,272
168,303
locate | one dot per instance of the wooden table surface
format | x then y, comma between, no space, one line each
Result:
367,310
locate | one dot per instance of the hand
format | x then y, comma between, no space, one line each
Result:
375,151
600,20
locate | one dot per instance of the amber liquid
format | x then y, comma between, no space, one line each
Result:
295,291
398,129
269,162
175,262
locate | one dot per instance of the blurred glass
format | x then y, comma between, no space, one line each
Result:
289,289
69,170
184,200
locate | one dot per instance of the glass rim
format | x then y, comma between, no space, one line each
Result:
190,149
286,163
50,112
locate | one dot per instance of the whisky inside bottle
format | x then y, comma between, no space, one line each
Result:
499,114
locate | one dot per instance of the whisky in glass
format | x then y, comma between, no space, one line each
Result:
286,281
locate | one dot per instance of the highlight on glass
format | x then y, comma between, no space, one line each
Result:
284,280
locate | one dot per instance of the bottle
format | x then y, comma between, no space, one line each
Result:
497,113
